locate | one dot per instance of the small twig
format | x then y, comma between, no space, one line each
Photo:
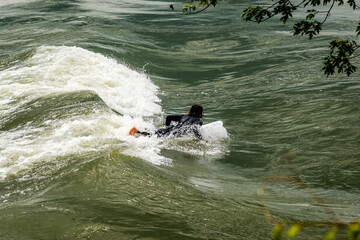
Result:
328,12
272,5
188,13
263,19
355,56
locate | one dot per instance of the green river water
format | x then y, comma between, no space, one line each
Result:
76,75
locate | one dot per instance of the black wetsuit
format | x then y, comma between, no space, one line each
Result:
186,125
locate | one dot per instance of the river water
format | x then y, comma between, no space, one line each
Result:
76,75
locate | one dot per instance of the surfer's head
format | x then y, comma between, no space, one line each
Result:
196,111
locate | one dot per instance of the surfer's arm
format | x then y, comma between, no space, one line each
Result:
172,118
197,133
196,129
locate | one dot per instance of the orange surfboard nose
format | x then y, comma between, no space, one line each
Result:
132,131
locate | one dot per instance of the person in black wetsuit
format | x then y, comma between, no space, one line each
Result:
187,124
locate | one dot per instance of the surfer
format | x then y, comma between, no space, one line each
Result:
187,124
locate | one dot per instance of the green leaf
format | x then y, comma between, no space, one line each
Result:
331,234
354,231
340,2
315,2
294,229
343,50
309,28
186,7
329,67
257,14
278,232
352,4
311,14
285,8
358,29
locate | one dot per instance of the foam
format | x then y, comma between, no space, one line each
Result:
54,70
212,145
59,70
73,68
4,3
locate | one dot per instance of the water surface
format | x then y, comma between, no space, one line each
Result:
75,76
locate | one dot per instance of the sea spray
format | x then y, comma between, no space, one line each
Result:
59,69
59,102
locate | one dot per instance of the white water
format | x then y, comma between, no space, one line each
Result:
56,70
65,69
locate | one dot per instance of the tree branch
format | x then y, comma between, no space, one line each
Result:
188,11
328,12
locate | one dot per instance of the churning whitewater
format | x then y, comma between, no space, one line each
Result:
76,76
67,100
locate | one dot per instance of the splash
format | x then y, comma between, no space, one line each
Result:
56,103
59,69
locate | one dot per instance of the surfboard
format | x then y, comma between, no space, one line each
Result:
214,130
132,131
